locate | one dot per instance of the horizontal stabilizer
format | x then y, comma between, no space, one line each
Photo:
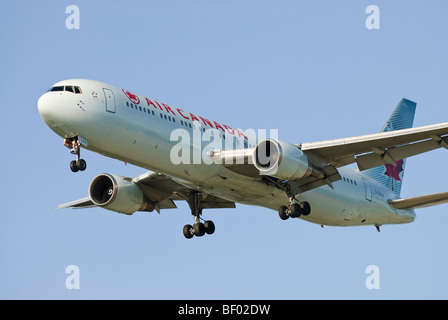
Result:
420,201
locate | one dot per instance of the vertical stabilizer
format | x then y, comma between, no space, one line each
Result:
389,175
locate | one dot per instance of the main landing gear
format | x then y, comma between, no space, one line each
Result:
295,208
198,229
75,148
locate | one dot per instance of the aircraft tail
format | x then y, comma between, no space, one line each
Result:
389,175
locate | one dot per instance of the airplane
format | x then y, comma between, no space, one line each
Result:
307,180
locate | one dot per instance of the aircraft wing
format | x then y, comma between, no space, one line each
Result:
367,151
78,204
420,201
163,191
373,150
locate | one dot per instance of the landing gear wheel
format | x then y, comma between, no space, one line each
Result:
73,166
283,213
81,164
294,210
199,229
305,208
209,227
188,231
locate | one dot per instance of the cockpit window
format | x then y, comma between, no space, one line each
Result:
73,89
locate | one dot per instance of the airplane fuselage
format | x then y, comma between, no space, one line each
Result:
132,128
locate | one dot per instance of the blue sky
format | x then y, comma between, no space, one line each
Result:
308,68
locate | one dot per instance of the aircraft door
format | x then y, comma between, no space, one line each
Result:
110,100
368,189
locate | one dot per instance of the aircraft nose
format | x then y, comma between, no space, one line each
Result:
50,110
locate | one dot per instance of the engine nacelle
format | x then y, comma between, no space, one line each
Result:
281,160
118,193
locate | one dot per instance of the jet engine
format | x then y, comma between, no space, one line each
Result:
119,194
282,160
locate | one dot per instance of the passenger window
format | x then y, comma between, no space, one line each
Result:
69,88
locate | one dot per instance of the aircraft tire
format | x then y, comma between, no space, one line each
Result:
209,227
199,229
73,166
305,208
294,210
81,164
282,212
187,231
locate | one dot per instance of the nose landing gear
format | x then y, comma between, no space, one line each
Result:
75,148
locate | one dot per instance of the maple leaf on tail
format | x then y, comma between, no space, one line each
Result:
394,171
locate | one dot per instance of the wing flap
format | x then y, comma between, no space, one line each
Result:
162,189
420,201
380,157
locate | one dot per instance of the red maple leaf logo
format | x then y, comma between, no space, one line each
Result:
132,97
394,172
